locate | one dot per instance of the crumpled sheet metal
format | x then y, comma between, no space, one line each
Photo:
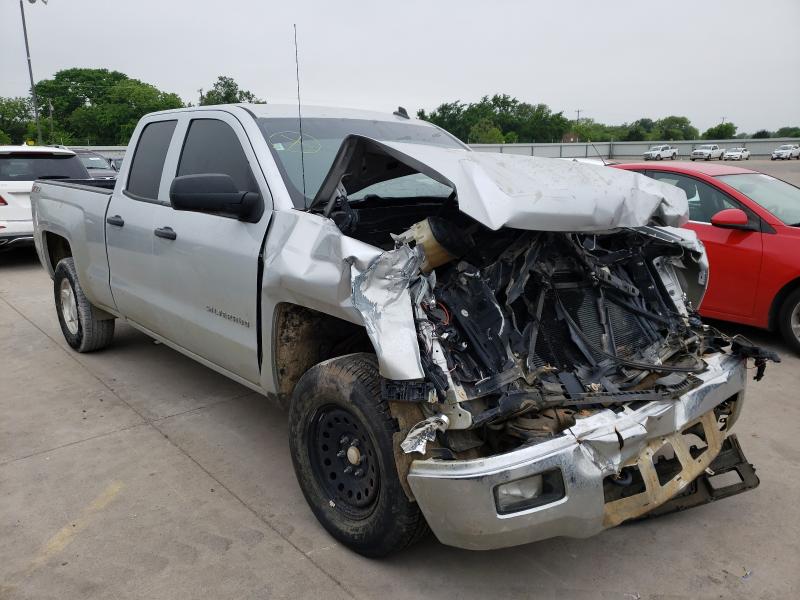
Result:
308,261
424,432
545,194
381,295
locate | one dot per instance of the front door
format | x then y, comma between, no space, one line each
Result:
207,265
734,256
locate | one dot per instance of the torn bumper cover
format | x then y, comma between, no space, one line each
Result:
584,470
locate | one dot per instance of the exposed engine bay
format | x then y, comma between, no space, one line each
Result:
520,331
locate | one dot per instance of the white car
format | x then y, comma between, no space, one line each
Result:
737,154
786,152
661,152
20,166
707,152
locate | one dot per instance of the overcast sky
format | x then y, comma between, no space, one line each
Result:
616,60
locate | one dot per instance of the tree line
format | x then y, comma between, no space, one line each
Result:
97,107
502,119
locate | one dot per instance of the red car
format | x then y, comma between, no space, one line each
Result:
750,225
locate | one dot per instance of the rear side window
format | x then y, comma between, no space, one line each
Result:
211,146
29,166
148,160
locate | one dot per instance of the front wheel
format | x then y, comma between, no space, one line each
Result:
789,320
341,439
78,318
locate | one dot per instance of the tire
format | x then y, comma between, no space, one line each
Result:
659,157
789,320
341,399
82,329
673,157
692,159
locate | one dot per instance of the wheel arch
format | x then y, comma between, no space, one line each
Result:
303,337
777,301
56,248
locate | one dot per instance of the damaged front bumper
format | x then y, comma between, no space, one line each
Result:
459,497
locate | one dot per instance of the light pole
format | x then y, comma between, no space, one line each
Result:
30,71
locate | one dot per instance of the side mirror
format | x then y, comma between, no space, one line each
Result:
732,218
214,193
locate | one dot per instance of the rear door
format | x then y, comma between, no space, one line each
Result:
129,223
734,256
207,265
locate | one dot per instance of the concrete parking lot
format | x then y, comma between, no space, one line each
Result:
137,473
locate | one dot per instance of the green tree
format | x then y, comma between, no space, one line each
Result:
528,122
485,132
723,131
673,128
788,132
97,106
4,137
226,91
15,114
761,134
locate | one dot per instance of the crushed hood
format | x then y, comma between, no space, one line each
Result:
505,190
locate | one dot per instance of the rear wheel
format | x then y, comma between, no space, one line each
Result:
789,320
79,321
341,439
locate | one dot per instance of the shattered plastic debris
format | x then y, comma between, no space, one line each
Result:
424,432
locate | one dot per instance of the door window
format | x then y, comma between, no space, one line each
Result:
148,159
212,146
704,200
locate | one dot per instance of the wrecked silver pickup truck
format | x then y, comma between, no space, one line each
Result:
502,348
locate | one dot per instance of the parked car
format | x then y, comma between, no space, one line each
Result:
707,152
661,152
737,154
19,167
786,152
98,165
496,345
749,223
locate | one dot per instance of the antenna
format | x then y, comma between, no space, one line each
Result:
600,156
299,113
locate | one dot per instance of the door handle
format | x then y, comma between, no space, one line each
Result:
116,220
166,232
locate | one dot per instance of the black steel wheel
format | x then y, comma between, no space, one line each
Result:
343,459
341,435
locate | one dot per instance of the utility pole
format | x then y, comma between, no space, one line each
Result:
723,120
50,110
30,72
578,119
201,96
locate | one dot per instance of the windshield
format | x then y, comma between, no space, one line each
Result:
27,166
655,148
706,147
778,197
94,162
785,147
321,141
735,149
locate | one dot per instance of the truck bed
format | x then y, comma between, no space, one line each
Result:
75,209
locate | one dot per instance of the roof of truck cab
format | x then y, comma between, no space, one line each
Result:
289,111
34,149
710,169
